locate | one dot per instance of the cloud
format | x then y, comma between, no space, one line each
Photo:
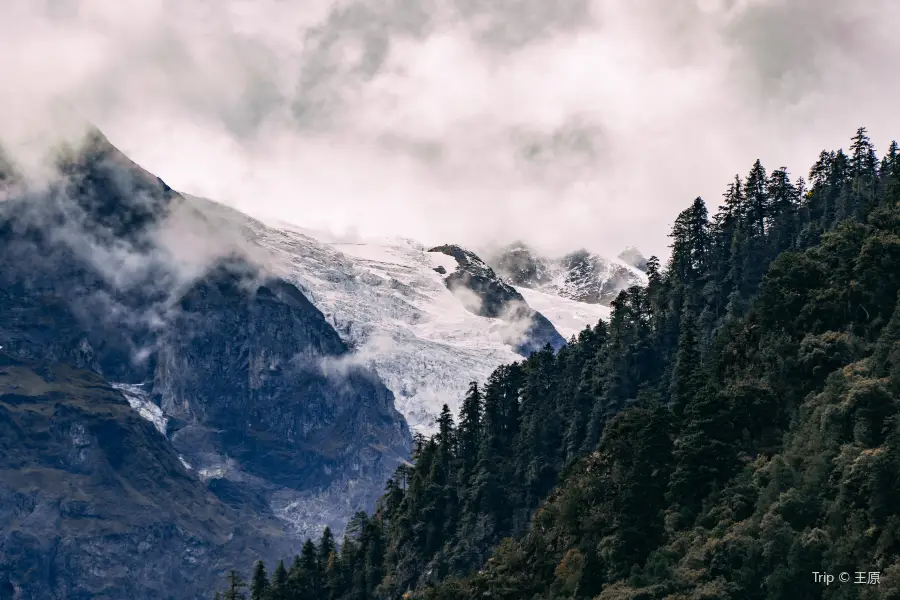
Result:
470,300
118,271
518,322
361,360
564,124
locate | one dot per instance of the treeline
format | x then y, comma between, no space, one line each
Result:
732,429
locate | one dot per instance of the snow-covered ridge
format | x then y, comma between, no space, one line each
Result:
387,302
581,275
385,299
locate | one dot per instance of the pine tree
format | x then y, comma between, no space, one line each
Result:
705,454
485,496
259,586
637,454
834,193
691,243
864,174
468,431
278,589
890,179
784,200
310,564
325,548
446,435
236,585
333,577
757,199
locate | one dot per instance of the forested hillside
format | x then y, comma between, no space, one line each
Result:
732,429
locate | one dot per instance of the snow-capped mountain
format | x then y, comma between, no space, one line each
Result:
581,275
252,372
632,256
389,301
487,295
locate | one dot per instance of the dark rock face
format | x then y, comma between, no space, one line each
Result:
94,502
254,362
59,305
487,295
263,401
580,275
593,279
520,266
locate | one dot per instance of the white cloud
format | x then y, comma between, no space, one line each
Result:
573,123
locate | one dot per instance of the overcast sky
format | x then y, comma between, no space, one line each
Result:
564,123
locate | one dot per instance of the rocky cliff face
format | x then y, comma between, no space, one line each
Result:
486,294
264,410
260,391
94,503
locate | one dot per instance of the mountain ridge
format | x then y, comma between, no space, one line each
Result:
388,302
580,275
109,270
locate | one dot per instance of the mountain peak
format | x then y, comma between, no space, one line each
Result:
633,257
580,275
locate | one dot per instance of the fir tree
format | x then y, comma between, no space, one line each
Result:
236,585
468,431
278,589
259,586
758,202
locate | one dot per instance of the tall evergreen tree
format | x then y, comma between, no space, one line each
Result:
446,435
278,588
236,586
259,585
469,431
758,203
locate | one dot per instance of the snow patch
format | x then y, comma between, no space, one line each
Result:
140,401
213,473
569,317
444,261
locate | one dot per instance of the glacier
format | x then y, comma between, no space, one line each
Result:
386,300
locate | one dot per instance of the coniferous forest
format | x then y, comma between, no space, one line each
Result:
730,431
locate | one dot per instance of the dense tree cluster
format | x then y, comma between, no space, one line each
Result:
732,428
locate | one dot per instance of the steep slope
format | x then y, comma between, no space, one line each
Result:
94,503
732,433
259,388
582,276
106,268
68,286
